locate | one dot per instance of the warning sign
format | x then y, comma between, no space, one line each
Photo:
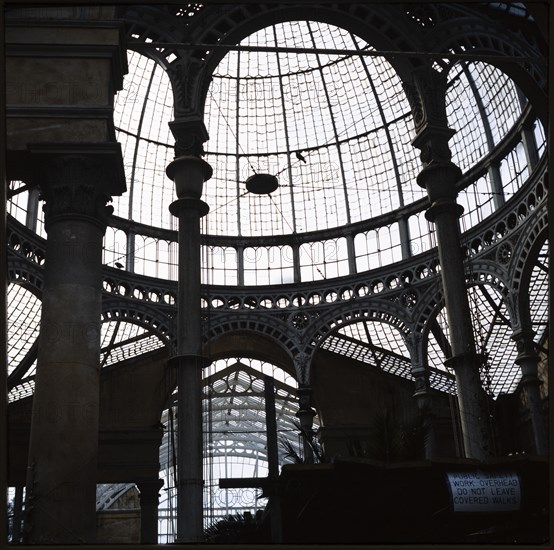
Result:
485,491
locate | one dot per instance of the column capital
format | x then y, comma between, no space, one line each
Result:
78,179
302,362
426,93
190,133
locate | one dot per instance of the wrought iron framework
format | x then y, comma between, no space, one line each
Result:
361,280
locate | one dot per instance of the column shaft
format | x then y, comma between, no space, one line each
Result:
188,316
471,397
424,401
273,461
189,380
17,514
76,182
189,454
528,360
149,500
531,385
61,483
306,415
189,174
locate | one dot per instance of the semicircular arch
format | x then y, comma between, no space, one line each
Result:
366,22
250,343
464,37
149,318
377,310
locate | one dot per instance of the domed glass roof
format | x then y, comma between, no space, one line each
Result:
334,129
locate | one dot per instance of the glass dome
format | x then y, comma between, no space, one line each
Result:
340,156
336,131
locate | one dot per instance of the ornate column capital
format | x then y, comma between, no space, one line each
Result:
189,84
302,362
190,134
426,93
78,179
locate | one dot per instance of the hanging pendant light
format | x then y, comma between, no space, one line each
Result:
262,184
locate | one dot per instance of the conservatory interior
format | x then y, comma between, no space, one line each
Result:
277,273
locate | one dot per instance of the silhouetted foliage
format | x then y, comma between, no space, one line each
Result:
290,450
237,529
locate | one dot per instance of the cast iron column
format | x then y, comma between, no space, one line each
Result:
275,515
17,514
76,182
528,360
189,174
439,177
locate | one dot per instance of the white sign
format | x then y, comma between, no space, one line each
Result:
485,491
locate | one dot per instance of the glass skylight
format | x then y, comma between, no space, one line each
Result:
340,155
492,332
121,340
335,130
24,310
